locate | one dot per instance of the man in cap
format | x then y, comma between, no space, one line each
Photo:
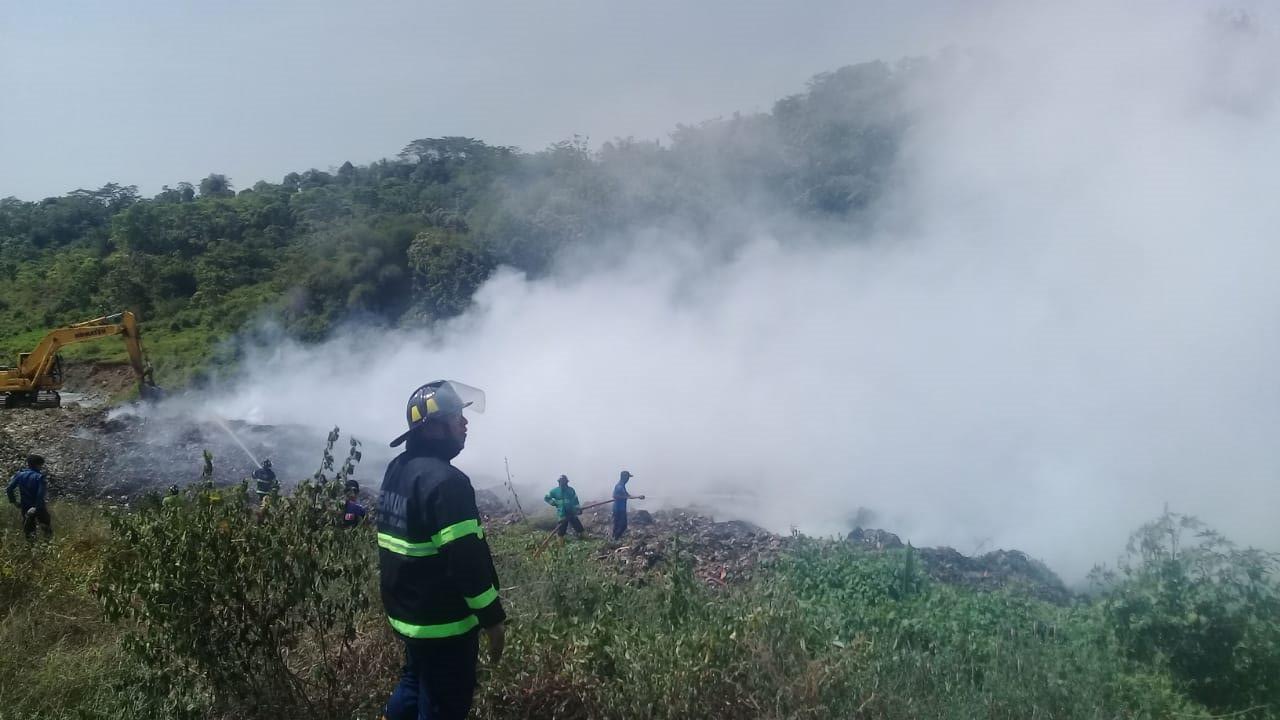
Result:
620,498
439,585
565,500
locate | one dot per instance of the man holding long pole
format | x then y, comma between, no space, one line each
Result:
620,498
565,500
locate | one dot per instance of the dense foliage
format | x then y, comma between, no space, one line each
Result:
253,613
223,612
1201,608
408,240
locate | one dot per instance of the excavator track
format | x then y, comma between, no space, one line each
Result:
47,399
38,399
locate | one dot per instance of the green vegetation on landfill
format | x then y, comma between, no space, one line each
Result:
201,608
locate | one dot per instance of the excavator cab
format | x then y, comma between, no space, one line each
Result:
44,394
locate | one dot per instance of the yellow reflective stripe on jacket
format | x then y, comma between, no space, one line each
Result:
442,630
483,599
458,531
404,547
455,531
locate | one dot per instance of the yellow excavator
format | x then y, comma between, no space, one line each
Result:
38,376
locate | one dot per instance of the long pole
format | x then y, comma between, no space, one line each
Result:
512,488
552,534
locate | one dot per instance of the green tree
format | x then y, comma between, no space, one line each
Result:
216,186
447,270
1187,599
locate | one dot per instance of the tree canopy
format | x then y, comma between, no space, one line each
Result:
408,240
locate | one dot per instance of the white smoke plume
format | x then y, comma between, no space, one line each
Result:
1065,316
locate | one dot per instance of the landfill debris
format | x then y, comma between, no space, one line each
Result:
726,552
117,455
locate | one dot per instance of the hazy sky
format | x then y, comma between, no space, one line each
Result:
153,93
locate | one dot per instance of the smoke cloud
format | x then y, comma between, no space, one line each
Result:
1063,316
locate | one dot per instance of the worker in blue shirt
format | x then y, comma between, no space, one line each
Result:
620,498
27,490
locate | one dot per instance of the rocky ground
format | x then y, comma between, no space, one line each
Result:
115,453
64,437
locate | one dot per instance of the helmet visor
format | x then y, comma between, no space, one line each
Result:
471,398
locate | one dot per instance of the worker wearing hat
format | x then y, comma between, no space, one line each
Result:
565,500
439,585
620,498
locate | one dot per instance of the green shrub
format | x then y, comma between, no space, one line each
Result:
1202,608
824,632
252,612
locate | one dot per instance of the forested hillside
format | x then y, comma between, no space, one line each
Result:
407,240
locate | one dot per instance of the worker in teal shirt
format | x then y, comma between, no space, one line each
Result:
565,500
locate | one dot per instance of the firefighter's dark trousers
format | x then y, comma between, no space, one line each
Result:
438,679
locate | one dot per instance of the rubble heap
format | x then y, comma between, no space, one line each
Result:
728,552
722,552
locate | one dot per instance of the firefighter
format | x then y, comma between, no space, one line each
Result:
173,498
353,512
439,585
265,480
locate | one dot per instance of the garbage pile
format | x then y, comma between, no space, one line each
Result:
727,552
73,455
992,571
119,454
722,552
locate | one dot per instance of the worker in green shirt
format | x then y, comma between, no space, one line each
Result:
565,500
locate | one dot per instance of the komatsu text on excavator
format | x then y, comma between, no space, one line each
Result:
38,376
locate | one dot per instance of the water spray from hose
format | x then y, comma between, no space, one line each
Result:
235,437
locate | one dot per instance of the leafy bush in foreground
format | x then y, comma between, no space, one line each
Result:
826,632
1201,608
226,613
245,612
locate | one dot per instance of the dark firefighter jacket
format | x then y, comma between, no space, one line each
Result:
438,578
266,478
